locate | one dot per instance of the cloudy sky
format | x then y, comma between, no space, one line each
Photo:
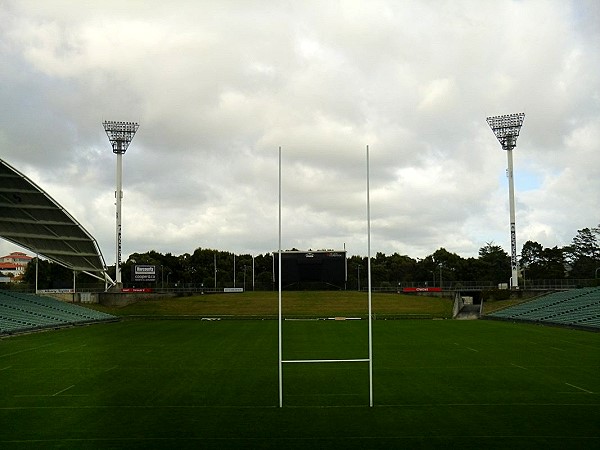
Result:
218,86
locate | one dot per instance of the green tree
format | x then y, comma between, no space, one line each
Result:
401,268
473,269
495,263
449,265
539,263
263,271
357,265
554,261
532,260
583,255
51,275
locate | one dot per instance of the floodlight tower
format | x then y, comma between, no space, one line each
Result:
120,135
506,128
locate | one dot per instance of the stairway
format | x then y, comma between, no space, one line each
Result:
468,312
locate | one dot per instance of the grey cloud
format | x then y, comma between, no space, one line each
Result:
217,87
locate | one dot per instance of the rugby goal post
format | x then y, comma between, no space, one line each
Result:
368,360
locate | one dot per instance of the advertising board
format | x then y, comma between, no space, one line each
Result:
143,272
422,289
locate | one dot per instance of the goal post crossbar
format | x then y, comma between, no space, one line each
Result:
325,360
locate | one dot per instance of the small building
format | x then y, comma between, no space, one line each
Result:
14,264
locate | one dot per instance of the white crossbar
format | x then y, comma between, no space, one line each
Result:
324,360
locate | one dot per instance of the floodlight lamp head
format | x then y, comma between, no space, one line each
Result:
506,128
120,134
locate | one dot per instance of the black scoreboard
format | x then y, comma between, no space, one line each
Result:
323,266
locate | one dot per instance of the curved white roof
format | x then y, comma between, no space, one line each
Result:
30,218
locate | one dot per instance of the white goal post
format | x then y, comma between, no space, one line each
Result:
368,360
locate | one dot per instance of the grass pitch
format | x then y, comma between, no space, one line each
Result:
295,303
214,384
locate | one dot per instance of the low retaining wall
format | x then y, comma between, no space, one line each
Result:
458,304
124,299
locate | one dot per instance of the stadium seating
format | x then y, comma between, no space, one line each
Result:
577,307
22,312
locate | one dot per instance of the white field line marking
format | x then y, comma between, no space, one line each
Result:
64,390
5,368
112,368
73,349
48,395
559,349
283,440
301,320
468,348
40,395
577,387
520,367
26,350
262,407
80,346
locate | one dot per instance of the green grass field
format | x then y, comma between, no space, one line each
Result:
295,303
214,384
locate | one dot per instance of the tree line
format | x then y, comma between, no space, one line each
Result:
212,268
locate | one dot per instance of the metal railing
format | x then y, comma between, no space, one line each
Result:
188,288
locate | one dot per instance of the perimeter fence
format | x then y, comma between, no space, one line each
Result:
389,287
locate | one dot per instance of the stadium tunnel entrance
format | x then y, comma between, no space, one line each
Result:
471,297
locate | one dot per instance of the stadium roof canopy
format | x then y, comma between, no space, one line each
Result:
30,218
